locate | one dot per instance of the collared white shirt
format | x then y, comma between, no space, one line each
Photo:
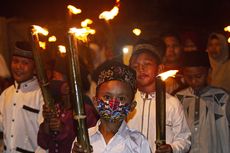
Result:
143,119
20,116
124,141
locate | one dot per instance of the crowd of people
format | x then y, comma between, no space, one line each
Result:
120,100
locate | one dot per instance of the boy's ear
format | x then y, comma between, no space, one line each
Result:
133,105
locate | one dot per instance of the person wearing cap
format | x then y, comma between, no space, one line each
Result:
116,87
206,108
21,104
145,61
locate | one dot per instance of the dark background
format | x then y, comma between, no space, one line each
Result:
185,12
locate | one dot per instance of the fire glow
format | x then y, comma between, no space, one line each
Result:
38,29
82,33
109,15
137,31
170,73
73,9
62,49
42,45
52,39
227,29
86,22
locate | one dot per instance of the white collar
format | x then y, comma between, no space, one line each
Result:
122,131
27,85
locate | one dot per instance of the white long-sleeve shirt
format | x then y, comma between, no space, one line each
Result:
143,119
124,141
20,116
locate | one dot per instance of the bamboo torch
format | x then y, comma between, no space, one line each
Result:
41,73
161,106
75,84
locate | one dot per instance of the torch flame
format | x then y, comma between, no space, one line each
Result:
229,40
109,15
82,33
52,39
86,22
73,9
170,73
137,31
42,45
227,29
38,29
62,49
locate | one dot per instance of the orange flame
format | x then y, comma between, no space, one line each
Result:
42,45
38,29
82,33
137,31
62,49
227,29
52,39
170,73
86,22
109,15
73,9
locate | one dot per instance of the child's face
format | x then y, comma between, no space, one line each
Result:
22,68
114,99
196,77
146,69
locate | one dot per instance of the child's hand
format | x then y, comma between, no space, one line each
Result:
55,124
47,112
77,148
166,148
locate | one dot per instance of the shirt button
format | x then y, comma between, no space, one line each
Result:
196,129
196,113
12,136
56,150
56,145
12,120
14,104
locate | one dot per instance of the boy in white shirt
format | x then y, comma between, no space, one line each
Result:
116,87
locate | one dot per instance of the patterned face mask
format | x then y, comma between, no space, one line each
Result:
112,110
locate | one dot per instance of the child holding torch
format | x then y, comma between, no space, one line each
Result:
145,59
116,87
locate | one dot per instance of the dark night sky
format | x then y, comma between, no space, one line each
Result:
183,11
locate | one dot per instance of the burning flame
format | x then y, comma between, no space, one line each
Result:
38,29
109,15
170,73
42,44
227,29
229,40
73,9
86,22
82,33
52,39
125,50
137,31
62,49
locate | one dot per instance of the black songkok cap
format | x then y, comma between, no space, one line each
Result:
195,59
113,70
23,49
